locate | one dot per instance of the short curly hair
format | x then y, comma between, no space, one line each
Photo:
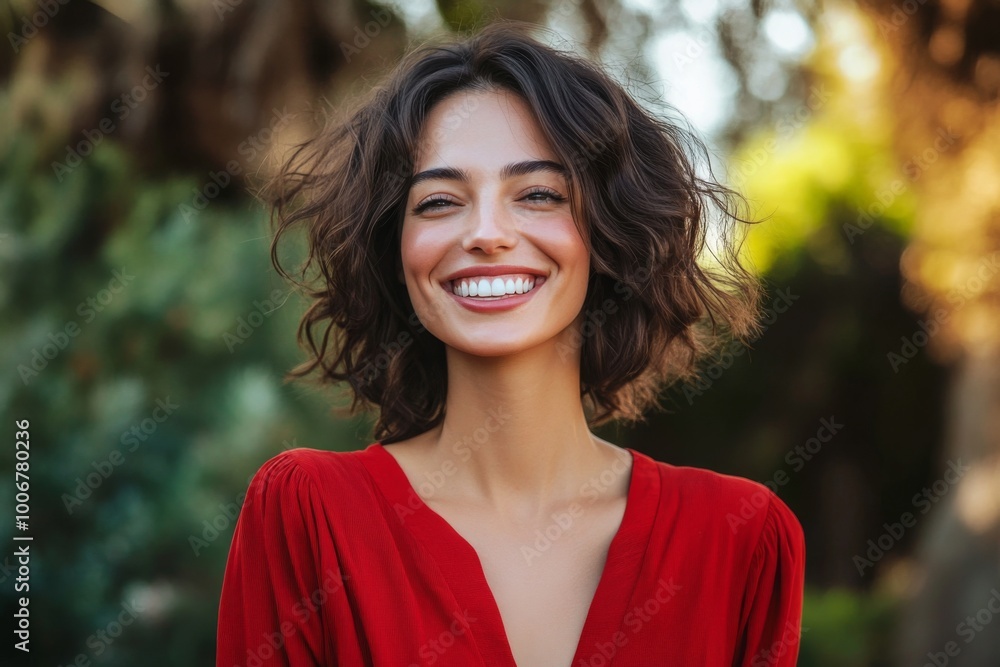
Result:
636,194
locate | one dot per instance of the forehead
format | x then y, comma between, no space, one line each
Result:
480,131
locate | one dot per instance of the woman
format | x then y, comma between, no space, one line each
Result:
507,246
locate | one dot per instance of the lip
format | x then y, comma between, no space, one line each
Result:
478,305
507,302
491,270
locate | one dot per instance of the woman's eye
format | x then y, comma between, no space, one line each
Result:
544,196
541,196
435,203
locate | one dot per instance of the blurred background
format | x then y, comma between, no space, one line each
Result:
144,334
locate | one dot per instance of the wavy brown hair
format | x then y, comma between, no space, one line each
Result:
636,193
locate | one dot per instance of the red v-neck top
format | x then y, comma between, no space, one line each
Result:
336,561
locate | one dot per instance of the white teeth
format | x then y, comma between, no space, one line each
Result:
492,287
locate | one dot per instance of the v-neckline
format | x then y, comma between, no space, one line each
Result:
462,568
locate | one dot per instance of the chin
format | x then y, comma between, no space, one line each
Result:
492,347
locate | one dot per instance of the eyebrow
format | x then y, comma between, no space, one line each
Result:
509,171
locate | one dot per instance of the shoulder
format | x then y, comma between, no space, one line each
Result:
305,471
309,461
740,513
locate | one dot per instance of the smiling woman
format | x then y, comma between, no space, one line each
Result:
507,199
519,244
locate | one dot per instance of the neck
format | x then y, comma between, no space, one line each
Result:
516,432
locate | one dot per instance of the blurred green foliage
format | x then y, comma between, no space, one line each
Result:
843,628
131,504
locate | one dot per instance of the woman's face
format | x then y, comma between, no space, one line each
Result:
490,202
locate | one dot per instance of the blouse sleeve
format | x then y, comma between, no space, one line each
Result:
268,611
772,604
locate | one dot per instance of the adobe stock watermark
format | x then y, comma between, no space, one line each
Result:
6,569
694,48
735,348
784,127
434,649
363,35
120,109
592,147
913,169
303,609
456,117
217,525
796,458
32,23
249,149
102,639
562,522
640,276
139,433
374,366
634,621
59,340
593,320
461,451
879,546
565,8
900,14
968,629
957,297
248,325
791,636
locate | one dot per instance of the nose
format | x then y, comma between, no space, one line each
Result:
491,227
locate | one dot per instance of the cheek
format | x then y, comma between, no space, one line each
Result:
563,243
575,261
419,250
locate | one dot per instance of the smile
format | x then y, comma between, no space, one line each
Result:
494,286
483,294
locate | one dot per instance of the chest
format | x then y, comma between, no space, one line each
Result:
543,576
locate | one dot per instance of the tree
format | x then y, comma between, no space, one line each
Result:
947,130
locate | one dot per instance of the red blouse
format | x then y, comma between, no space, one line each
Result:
335,560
